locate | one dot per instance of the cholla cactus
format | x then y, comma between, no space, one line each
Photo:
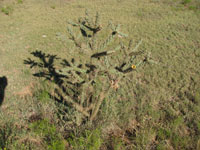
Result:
86,85
101,64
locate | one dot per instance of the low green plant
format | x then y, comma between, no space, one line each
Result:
163,134
193,8
178,122
197,97
118,144
48,131
162,146
187,5
6,132
185,2
20,1
43,96
53,7
57,145
13,136
179,142
90,140
7,10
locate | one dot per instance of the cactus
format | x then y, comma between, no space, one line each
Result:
85,86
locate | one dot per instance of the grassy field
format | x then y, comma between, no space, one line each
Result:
157,107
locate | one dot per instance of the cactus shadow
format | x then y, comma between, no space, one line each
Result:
46,69
47,65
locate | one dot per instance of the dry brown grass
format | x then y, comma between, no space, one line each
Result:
26,91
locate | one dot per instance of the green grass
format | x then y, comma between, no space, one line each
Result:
157,109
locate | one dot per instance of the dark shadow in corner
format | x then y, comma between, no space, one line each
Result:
3,84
